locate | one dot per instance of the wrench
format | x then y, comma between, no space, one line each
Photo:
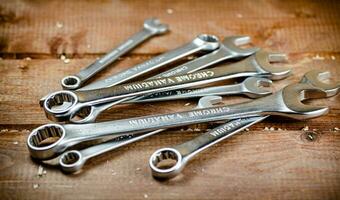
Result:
202,42
182,153
229,48
49,140
72,161
62,105
251,87
151,28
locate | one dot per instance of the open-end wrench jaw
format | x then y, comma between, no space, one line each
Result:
294,94
264,62
232,45
317,78
155,26
255,87
208,101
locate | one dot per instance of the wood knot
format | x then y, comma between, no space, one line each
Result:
309,136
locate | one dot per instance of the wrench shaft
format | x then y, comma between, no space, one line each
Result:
113,55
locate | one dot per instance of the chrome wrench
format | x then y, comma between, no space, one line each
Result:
182,153
286,102
202,42
251,87
62,105
151,28
229,50
73,160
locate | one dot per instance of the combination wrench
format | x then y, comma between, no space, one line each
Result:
72,161
251,87
152,27
184,152
50,140
202,43
62,105
229,49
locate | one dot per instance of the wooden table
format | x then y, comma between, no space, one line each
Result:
284,163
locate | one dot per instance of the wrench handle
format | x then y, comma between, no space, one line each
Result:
198,63
164,84
145,67
113,55
200,143
189,93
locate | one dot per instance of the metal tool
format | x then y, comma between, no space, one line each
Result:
251,87
72,161
62,105
286,102
151,28
202,42
182,153
229,50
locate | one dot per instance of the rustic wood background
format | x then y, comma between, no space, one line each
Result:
285,163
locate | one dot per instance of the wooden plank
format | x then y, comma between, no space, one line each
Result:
95,27
258,164
254,165
28,80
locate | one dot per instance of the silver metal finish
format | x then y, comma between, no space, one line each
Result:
202,42
229,49
286,102
182,153
63,105
251,87
72,161
151,28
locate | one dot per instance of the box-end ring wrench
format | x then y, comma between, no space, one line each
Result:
152,27
251,87
229,49
203,42
286,103
184,152
72,161
62,105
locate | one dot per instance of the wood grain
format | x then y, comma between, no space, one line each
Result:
282,164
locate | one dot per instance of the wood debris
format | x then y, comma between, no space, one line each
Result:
187,104
59,25
238,15
35,186
169,11
306,128
317,57
146,196
40,171
333,57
